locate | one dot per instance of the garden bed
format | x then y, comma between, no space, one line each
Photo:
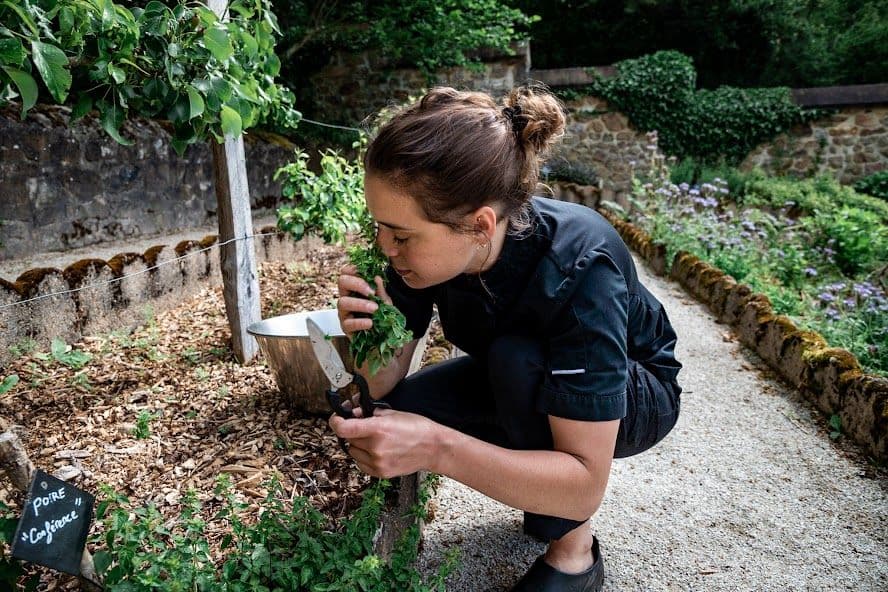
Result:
164,408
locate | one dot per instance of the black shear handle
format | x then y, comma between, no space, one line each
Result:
366,401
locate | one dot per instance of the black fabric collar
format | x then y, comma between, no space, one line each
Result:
507,279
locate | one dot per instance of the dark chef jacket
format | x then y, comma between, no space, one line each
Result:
570,283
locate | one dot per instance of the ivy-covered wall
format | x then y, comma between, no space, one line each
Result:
66,187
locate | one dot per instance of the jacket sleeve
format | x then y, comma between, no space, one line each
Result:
587,365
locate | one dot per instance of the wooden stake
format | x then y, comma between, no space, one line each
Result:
240,278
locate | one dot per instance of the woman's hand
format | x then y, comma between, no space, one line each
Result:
351,307
391,443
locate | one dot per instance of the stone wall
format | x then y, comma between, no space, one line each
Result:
605,141
66,187
850,144
355,86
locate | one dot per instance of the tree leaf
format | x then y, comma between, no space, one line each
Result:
27,88
12,52
216,40
231,122
117,73
8,382
112,116
196,101
52,64
83,106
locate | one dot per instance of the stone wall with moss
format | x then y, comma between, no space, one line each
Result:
73,186
850,144
94,296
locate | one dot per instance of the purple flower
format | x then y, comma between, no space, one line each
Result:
748,225
826,297
832,314
849,303
810,272
684,186
694,191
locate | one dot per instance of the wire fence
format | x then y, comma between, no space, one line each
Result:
140,272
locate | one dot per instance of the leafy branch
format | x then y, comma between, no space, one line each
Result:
208,77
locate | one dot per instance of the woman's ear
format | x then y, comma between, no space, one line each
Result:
485,220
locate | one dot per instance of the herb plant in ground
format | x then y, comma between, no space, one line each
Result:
292,546
821,262
331,205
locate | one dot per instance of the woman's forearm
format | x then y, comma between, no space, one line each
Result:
541,481
386,378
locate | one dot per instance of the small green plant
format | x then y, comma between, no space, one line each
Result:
875,185
835,427
332,206
68,356
191,355
23,347
8,383
81,379
143,425
12,570
202,374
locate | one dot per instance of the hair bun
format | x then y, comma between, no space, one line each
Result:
537,117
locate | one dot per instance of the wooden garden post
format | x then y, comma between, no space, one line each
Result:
240,280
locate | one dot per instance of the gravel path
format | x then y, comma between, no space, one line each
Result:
747,492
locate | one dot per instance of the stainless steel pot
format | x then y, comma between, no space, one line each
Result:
284,342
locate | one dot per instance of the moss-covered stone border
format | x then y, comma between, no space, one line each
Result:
119,288
829,377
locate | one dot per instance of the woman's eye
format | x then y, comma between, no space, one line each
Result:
399,241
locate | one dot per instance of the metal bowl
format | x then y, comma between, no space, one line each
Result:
284,342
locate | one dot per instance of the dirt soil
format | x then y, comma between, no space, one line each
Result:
209,414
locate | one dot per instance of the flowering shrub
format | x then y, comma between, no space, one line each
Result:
826,269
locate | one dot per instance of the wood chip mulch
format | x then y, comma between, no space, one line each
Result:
210,414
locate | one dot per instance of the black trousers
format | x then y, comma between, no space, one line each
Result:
496,402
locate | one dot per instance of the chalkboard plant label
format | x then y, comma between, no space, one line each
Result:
53,528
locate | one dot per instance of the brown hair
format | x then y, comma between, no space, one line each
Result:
455,151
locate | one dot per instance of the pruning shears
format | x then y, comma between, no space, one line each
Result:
332,365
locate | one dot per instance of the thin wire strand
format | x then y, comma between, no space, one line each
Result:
153,267
343,127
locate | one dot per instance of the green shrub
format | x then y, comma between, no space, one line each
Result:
658,92
178,62
820,194
875,185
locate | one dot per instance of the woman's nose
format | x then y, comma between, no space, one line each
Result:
386,243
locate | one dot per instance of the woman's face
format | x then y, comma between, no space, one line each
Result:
423,253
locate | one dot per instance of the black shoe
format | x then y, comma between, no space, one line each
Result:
542,577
